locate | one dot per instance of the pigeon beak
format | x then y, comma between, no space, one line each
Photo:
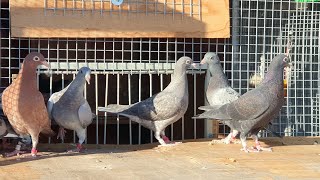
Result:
45,63
193,65
203,61
87,77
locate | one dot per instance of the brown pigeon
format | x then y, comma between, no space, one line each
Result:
24,105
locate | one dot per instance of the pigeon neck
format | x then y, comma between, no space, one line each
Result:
77,86
274,75
179,74
218,79
28,76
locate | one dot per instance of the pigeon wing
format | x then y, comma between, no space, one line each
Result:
156,108
249,106
85,114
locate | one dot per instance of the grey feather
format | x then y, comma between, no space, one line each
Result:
164,108
69,108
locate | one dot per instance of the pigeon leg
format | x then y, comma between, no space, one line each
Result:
16,152
157,136
82,136
165,138
231,138
244,144
61,133
258,146
35,139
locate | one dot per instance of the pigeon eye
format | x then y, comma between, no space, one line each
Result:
36,58
188,62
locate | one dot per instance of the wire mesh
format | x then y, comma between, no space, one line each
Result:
175,8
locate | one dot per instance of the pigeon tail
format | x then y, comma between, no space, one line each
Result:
209,108
48,132
115,108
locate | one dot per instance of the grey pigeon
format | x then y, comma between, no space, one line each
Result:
218,91
70,109
162,109
255,109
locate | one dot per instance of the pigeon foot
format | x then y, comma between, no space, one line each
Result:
249,150
14,153
260,148
61,133
78,149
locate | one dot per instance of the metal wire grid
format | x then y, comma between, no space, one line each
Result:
105,57
178,8
264,28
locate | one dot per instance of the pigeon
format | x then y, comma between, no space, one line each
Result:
5,127
24,104
218,91
70,109
163,108
256,108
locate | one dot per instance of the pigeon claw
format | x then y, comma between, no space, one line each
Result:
14,153
78,149
249,150
260,148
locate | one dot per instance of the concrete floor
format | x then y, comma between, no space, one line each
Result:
298,158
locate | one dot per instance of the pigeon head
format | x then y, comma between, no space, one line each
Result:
85,72
279,62
185,62
34,59
210,58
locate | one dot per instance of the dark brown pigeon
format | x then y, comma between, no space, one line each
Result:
24,105
255,109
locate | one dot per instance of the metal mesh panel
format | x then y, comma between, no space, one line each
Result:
178,8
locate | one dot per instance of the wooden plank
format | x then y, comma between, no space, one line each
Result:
29,19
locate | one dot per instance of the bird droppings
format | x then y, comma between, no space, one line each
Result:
98,161
232,159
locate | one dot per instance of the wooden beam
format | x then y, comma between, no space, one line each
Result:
29,19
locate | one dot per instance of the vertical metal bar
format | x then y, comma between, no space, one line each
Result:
101,7
97,117
118,102
150,94
64,7
105,114
129,99
55,7
83,7
194,105
45,7
74,132
139,135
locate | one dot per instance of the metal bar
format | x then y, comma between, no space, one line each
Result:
129,99
105,114
150,94
139,135
194,106
118,102
97,100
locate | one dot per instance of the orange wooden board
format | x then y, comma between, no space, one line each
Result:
34,18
